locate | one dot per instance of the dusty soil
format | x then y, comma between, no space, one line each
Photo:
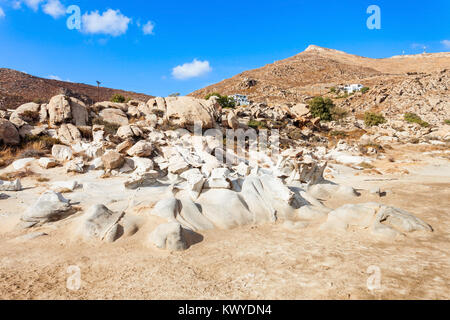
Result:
254,262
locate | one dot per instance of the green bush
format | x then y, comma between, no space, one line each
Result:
257,124
321,108
365,90
447,121
333,90
118,98
224,101
414,118
373,119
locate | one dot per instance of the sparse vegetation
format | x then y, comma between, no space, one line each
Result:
31,116
39,142
322,108
118,98
373,119
11,176
447,121
366,165
176,94
110,128
224,101
365,90
339,134
86,132
365,147
333,90
338,113
414,118
39,101
257,124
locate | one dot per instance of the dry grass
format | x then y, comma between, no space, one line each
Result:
30,147
11,176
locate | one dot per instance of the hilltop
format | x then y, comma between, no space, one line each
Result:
315,70
17,88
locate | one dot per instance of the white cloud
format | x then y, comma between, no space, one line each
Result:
54,8
148,28
17,4
446,43
2,13
192,69
53,77
110,22
33,4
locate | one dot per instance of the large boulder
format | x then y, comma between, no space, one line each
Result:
79,111
101,223
47,163
50,206
10,185
59,109
22,163
114,116
169,236
28,112
129,132
379,219
8,133
69,134
141,149
185,111
62,153
112,160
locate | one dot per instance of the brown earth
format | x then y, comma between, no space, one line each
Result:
254,262
17,88
316,70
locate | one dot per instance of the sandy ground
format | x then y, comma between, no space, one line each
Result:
254,262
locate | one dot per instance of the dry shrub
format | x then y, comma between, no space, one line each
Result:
11,176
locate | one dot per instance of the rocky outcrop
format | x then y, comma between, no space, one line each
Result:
69,134
102,224
50,206
114,116
8,133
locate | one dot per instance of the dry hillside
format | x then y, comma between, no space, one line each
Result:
17,88
315,70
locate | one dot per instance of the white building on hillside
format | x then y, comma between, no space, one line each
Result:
240,99
350,88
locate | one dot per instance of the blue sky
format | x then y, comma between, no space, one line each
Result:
162,47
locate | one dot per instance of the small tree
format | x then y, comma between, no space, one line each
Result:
224,101
118,98
321,108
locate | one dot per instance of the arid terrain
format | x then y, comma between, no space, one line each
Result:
298,195
255,262
17,88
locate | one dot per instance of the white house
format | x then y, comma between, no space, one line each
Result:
240,99
350,88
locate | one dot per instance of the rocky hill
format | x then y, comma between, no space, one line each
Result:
17,88
316,70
